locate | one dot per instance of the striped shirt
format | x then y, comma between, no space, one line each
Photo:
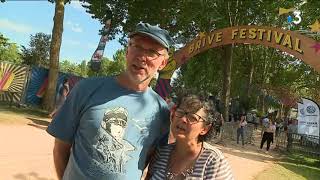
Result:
211,164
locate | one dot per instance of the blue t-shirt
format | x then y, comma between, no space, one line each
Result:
110,127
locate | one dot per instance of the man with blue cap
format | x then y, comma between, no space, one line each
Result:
107,125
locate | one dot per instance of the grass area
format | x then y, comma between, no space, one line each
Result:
13,115
293,167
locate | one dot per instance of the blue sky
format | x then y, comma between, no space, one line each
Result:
20,19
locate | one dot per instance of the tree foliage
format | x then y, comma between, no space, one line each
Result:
9,51
69,67
38,51
111,67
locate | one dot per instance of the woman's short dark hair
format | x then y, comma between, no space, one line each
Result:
65,80
196,101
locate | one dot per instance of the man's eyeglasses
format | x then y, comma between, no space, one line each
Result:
191,117
149,53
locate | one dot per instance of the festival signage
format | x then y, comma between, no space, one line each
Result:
308,117
291,42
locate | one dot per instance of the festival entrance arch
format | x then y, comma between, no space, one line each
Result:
298,45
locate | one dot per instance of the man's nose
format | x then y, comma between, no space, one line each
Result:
141,56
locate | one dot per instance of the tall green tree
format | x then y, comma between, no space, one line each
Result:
9,51
82,69
38,51
69,67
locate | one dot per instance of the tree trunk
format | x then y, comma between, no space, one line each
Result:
227,57
54,55
263,105
251,71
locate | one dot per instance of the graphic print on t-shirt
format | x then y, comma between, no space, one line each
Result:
111,148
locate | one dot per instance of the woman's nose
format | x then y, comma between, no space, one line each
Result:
184,119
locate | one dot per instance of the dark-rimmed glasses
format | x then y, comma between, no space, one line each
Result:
149,53
191,117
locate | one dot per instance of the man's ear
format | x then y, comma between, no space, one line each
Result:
163,63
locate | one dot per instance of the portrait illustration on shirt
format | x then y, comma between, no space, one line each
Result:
111,148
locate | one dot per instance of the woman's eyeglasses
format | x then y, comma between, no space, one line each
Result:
191,117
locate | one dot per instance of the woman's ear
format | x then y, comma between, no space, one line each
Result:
172,111
205,129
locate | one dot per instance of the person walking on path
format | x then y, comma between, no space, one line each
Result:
268,135
108,126
265,123
61,96
241,129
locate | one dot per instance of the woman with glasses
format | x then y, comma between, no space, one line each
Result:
190,157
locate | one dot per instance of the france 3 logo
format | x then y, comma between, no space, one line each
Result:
294,18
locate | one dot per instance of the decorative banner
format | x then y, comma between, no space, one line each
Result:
12,82
300,46
98,53
38,83
308,117
167,72
163,87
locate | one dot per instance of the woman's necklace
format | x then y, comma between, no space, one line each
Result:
186,172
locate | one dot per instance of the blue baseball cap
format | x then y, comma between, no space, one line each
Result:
160,35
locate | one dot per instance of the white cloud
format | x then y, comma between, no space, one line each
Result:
77,5
72,42
10,25
75,27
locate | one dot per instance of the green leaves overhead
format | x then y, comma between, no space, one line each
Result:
111,67
9,51
38,51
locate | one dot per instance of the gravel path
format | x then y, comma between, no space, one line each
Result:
26,153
